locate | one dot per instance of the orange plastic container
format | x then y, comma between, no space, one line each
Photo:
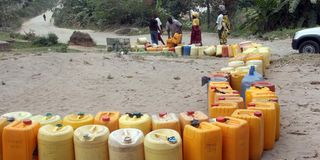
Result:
226,50
225,75
202,142
108,119
166,121
186,118
252,90
222,109
3,123
235,138
236,99
271,86
20,140
273,101
219,93
269,112
214,87
255,121
236,79
78,120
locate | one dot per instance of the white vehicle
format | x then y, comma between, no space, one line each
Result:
307,40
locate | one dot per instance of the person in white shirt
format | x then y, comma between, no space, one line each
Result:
161,29
219,23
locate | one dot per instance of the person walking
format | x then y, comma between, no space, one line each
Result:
153,26
161,29
196,31
44,17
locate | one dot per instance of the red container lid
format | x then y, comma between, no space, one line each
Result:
236,92
105,118
221,119
162,114
215,105
27,122
213,87
257,113
190,113
251,105
222,98
274,100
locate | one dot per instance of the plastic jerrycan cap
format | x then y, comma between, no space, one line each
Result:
215,105
172,140
221,119
257,113
190,113
195,123
105,118
251,105
222,98
162,114
252,70
10,119
27,122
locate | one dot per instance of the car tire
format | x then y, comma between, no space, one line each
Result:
309,47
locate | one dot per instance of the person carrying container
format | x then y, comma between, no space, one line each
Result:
174,29
196,30
160,31
153,26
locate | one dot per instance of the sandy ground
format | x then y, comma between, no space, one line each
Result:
92,82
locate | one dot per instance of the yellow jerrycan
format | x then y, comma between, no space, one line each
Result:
269,112
236,64
136,120
236,50
166,121
186,118
163,144
255,120
222,109
235,138
252,90
49,118
260,68
265,51
78,120
91,142
108,119
238,100
18,115
202,141
4,121
126,144
20,140
236,79
55,142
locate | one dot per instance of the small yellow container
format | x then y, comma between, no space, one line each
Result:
253,90
235,138
136,120
18,115
91,142
55,142
108,119
47,119
222,109
78,120
269,112
163,144
255,120
126,144
202,142
186,118
166,121
3,123
238,100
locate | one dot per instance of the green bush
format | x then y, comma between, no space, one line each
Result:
52,39
49,40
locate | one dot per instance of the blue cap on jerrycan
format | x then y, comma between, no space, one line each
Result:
10,119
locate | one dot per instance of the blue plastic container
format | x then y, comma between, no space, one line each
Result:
186,50
248,80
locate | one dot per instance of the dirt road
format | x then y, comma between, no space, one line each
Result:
41,27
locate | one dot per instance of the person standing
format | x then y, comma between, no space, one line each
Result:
153,26
161,29
44,17
219,23
196,31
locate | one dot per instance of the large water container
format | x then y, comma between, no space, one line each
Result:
214,87
186,50
235,138
233,99
178,50
18,115
255,121
222,109
243,69
49,118
3,123
236,64
258,65
226,51
265,51
166,121
201,50
236,79
223,94
136,120
108,119
202,142
253,90
55,142
186,118
271,86
219,51
91,142
78,120
126,144
227,69
163,144
270,122
194,51
236,50
249,79
20,140
210,51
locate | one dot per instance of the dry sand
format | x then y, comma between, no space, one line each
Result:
91,82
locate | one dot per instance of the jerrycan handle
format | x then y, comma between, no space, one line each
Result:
48,116
127,138
58,127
